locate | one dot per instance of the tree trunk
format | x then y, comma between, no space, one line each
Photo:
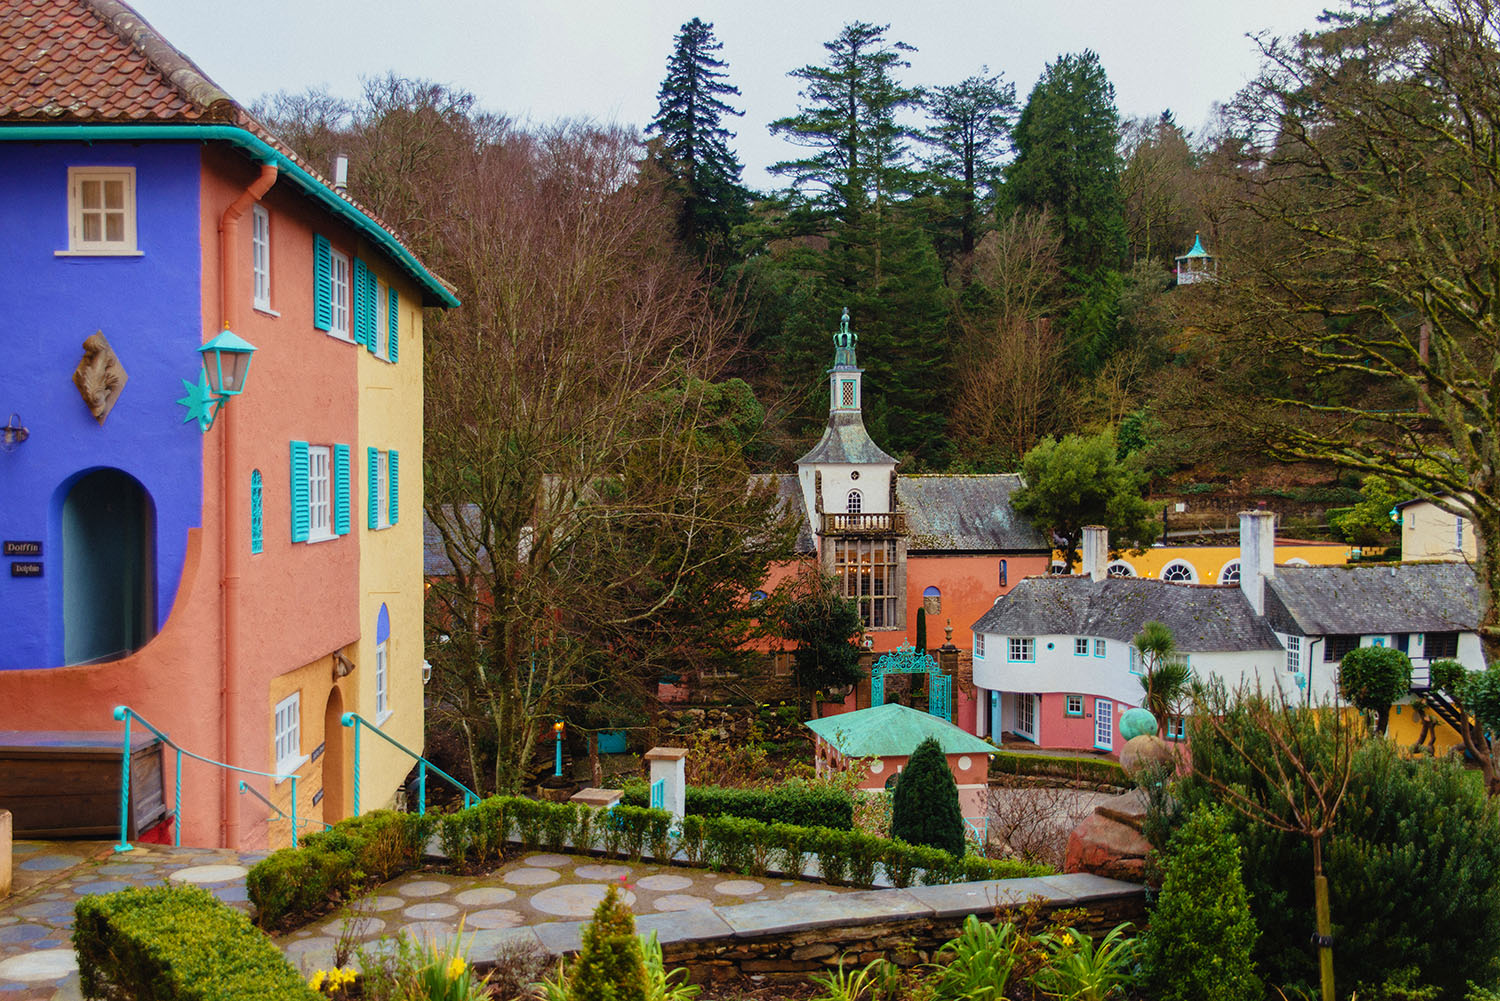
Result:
1325,921
596,770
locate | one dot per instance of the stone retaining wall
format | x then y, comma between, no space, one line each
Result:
789,939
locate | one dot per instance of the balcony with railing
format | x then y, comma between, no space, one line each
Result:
891,523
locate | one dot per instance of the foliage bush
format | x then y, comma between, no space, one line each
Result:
175,943
796,802
1100,771
1373,677
1413,866
1201,937
924,807
610,966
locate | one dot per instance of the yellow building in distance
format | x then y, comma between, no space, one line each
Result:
1430,533
1215,564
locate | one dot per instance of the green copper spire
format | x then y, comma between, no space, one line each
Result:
843,344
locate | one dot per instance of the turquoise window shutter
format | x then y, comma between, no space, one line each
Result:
301,512
341,490
372,310
372,456
358,320
394,480
322,284
393,314
257,536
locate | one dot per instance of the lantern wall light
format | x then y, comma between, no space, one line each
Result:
226,368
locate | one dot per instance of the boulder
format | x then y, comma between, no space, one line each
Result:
1106,847
1146,750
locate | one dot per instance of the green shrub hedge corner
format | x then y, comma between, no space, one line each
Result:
1080,769
178,943
295,884
795,802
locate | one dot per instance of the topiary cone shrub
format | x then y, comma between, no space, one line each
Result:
1202,935
924,808
611,966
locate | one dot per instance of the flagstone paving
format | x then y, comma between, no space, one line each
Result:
36,921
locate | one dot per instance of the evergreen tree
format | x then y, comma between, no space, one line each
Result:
924,807
1068,161
694,144
970,132
611,966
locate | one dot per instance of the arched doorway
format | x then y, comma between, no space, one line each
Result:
333,757
108,567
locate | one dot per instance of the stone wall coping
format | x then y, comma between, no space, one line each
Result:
666,753
780,917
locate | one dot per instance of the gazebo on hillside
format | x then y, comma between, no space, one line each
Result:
1197,265
889,734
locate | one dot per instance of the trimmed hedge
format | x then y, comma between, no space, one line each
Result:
285,885
1103,771
794,802
178,943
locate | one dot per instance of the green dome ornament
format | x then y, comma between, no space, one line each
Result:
844,343
1137,723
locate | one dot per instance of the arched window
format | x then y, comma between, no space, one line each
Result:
382,664
1296,561
757,596
1004,572
932,600
1231,573
856,502
1119,568
1179,572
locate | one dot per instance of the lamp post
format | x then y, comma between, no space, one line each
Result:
557,730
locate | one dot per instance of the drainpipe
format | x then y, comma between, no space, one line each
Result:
229,553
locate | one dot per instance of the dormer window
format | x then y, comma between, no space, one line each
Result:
856,502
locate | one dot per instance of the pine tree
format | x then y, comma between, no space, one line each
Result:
693,148
924,807
611,966
970,132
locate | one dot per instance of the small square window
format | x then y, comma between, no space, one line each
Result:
1080,647
1176,728
1099,647
341,289
1075,705
101,210
260,256
1022,649
288,733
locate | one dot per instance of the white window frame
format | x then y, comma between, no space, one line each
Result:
1104,724
260,258
979,645
341,277
1135,661
382,682
382,489
1458,534
1021,650
1100,648
1073,700
1181,565
287,735
382,318
126,246
855,502
1026,714
1294,653
319,493
1080,646
1177,728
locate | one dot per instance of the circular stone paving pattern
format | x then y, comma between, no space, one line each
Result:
422,888
359,927
496,918
49,863
429,912
681,902
15,934
428,931
208,874
485,895
739,887
548,861
663,882
378,904
602,871
531,877
99,886
48,964
574,901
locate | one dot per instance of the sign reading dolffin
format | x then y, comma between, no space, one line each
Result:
19,548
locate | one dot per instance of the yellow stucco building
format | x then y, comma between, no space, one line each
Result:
1430,533
1218,564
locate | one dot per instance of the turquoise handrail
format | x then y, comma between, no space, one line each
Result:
355,720
125,714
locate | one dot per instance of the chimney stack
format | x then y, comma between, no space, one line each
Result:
1096,551
341,172
1257,555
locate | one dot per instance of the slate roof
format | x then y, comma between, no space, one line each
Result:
846,440
893,730
1394,598
1202,617
789,495
965,513
97,60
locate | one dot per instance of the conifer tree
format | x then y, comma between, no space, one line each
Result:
970,132
611,966
924,807
693,147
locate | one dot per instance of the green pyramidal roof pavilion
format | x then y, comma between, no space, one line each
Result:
893,731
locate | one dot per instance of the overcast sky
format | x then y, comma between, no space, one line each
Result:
605,59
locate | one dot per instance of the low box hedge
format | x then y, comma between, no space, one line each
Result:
794,802
1100,770
177,943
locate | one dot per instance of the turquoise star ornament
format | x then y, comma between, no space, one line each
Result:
199,402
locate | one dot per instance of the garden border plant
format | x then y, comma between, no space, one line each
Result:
794,802
294,885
